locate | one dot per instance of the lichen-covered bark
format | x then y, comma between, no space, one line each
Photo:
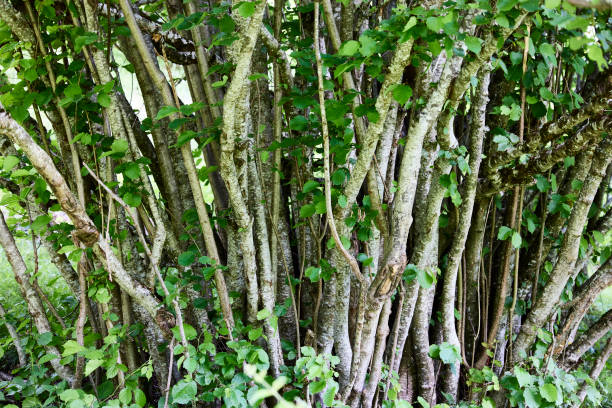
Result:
567,254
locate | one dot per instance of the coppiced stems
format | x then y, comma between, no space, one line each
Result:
267,246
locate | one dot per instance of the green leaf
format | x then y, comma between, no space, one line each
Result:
552,4
140,398
298,123
165,111
10,162
548,52
72,347
542,183
349,48
423,402
184,392
473,44
548,392
44,338
502,21
120,146
263,314
488,403
330,393
595,54
402,94
104,100
505,5
132,199
39,224
368,45
69,395
532,398
307,210
92,365
125,396
313,273
504,233
449,353
309,186
523,377
103,295
425,279
254,334
186,258
516,240
316,386
131,171
246,9
338,177
435,24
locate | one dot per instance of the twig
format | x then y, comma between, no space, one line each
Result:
328,204
134,215
167,390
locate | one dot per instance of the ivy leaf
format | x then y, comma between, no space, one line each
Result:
103,295
125,396
488,403
542,183
434,23
505,5
316,386
132,171
69,395
254,334
423,402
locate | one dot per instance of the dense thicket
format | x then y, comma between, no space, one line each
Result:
313,203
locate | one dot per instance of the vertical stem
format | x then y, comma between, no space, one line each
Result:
519,215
